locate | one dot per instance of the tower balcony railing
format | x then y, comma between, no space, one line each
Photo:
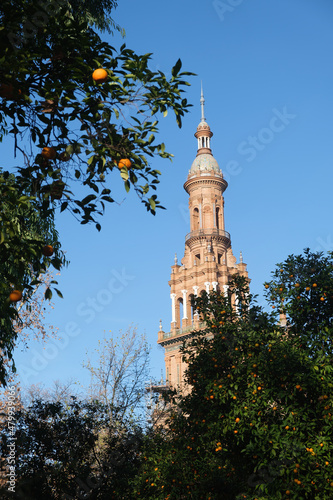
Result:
180,331
207,232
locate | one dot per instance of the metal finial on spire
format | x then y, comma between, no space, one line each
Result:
202,103
241,258
161,325
176,259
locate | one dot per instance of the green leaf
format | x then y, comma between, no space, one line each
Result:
124,173
88,199
152,203
176,68
59,293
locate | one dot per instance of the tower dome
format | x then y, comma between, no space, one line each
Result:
205,163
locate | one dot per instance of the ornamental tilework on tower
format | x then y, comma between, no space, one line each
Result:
208,262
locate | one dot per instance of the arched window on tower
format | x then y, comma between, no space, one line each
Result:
179,312
196,219
191,297
217,216
207,217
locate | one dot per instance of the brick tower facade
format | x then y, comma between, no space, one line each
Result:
208,261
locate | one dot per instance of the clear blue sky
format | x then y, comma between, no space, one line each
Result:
258,60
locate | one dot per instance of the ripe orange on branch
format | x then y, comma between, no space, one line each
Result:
48,153
47,250
15,296
125,162
100,75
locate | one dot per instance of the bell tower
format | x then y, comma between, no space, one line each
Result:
208,261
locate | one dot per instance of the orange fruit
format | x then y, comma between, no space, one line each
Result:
307,289
296,285
48,153
47,250
15,296
322,299
266,286
125,162
100,75
314,285
237,420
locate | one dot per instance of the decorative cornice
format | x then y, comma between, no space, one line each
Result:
207,180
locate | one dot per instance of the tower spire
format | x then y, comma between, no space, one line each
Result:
202,103
203,133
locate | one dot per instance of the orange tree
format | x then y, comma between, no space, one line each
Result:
257,422
73,134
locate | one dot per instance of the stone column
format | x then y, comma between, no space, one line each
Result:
184,292
236,304
215,283
195,313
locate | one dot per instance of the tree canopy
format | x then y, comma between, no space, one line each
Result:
71,133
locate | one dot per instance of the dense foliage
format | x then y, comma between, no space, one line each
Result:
257,423
70,450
